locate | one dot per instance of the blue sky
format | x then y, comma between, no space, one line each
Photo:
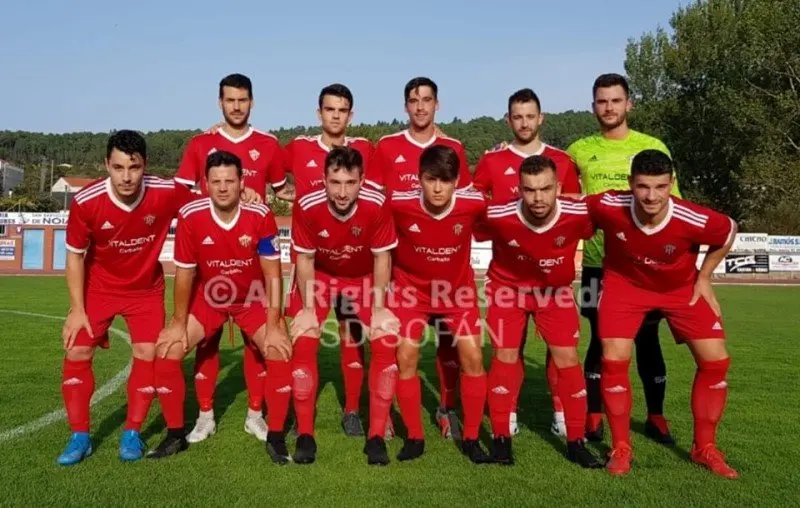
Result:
91,65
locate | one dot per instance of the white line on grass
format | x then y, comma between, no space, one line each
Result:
101,393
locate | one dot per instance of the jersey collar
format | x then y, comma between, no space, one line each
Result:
343,218
543,228
417,143
516,151
221,223
230,138
655,229
444,212
114,199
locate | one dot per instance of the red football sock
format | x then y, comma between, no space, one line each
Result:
572,391
171,391
77,387
141,390
615,384
501,381
473,401
382,384
409,398
206,371
254,372
519,377
709,393
448,367
552,383
278,392
305,379
352,361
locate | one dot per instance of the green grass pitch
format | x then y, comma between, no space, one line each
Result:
759,432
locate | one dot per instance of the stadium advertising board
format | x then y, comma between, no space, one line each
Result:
7,250
751,242
784,262
784,244
34,219
747,263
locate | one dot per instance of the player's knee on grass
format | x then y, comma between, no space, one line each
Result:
470,355
507,355
80,353
564,357
709,350
407,358
617,349
146,351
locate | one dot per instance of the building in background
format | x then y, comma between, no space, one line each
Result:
10,176
66,187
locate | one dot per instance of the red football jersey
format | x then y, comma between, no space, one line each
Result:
305,160
122,242
661,258
433,252
497,173
343,246
230,251
395,162
531,256
261,154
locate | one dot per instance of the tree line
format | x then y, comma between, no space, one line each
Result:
720,86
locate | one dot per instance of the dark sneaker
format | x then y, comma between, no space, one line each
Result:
579,454
305,449
352,425
375,449
412,449
276,448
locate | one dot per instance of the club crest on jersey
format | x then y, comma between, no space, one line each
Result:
254,154
356,231
669,249
458,228
149,219
560,241
245,240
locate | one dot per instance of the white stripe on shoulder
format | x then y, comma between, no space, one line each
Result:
451,139
311,204
89,194
261,209
396,134
194,206
311,196
680,215
365,191
264,133
91,189
688,211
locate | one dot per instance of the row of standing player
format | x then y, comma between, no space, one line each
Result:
526,124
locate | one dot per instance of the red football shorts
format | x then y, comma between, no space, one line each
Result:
248,316
622,308
143,313
553,311
414,316
351,298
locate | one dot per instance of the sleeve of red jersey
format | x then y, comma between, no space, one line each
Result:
571,183
190,169
79,232
366,155
276,172
288,157
269,246
385,236
483,179
464,176
301,236
595,208
182,195
376,168
184,256
715,228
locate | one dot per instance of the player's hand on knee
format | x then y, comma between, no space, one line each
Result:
383,322
173,334
704,289
305,323
276,337
251,197
76,320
